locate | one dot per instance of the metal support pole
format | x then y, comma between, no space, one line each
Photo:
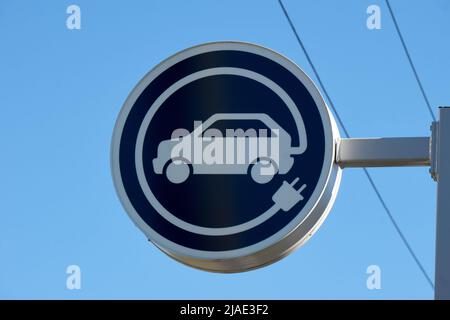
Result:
442,176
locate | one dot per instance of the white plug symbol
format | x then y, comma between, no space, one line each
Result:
287,196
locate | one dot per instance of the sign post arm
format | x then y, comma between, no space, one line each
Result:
383,152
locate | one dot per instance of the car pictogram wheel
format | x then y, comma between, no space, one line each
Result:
177,171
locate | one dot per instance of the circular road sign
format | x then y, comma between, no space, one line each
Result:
223,155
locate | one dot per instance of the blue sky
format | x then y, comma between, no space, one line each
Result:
61,91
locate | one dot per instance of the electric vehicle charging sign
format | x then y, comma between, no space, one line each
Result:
223,155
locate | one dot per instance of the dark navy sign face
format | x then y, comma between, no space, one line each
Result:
218,212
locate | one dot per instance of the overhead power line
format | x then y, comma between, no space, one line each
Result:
410,61
346,133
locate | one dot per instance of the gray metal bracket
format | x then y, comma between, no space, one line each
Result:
383,152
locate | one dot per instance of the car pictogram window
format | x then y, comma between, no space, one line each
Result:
238,128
